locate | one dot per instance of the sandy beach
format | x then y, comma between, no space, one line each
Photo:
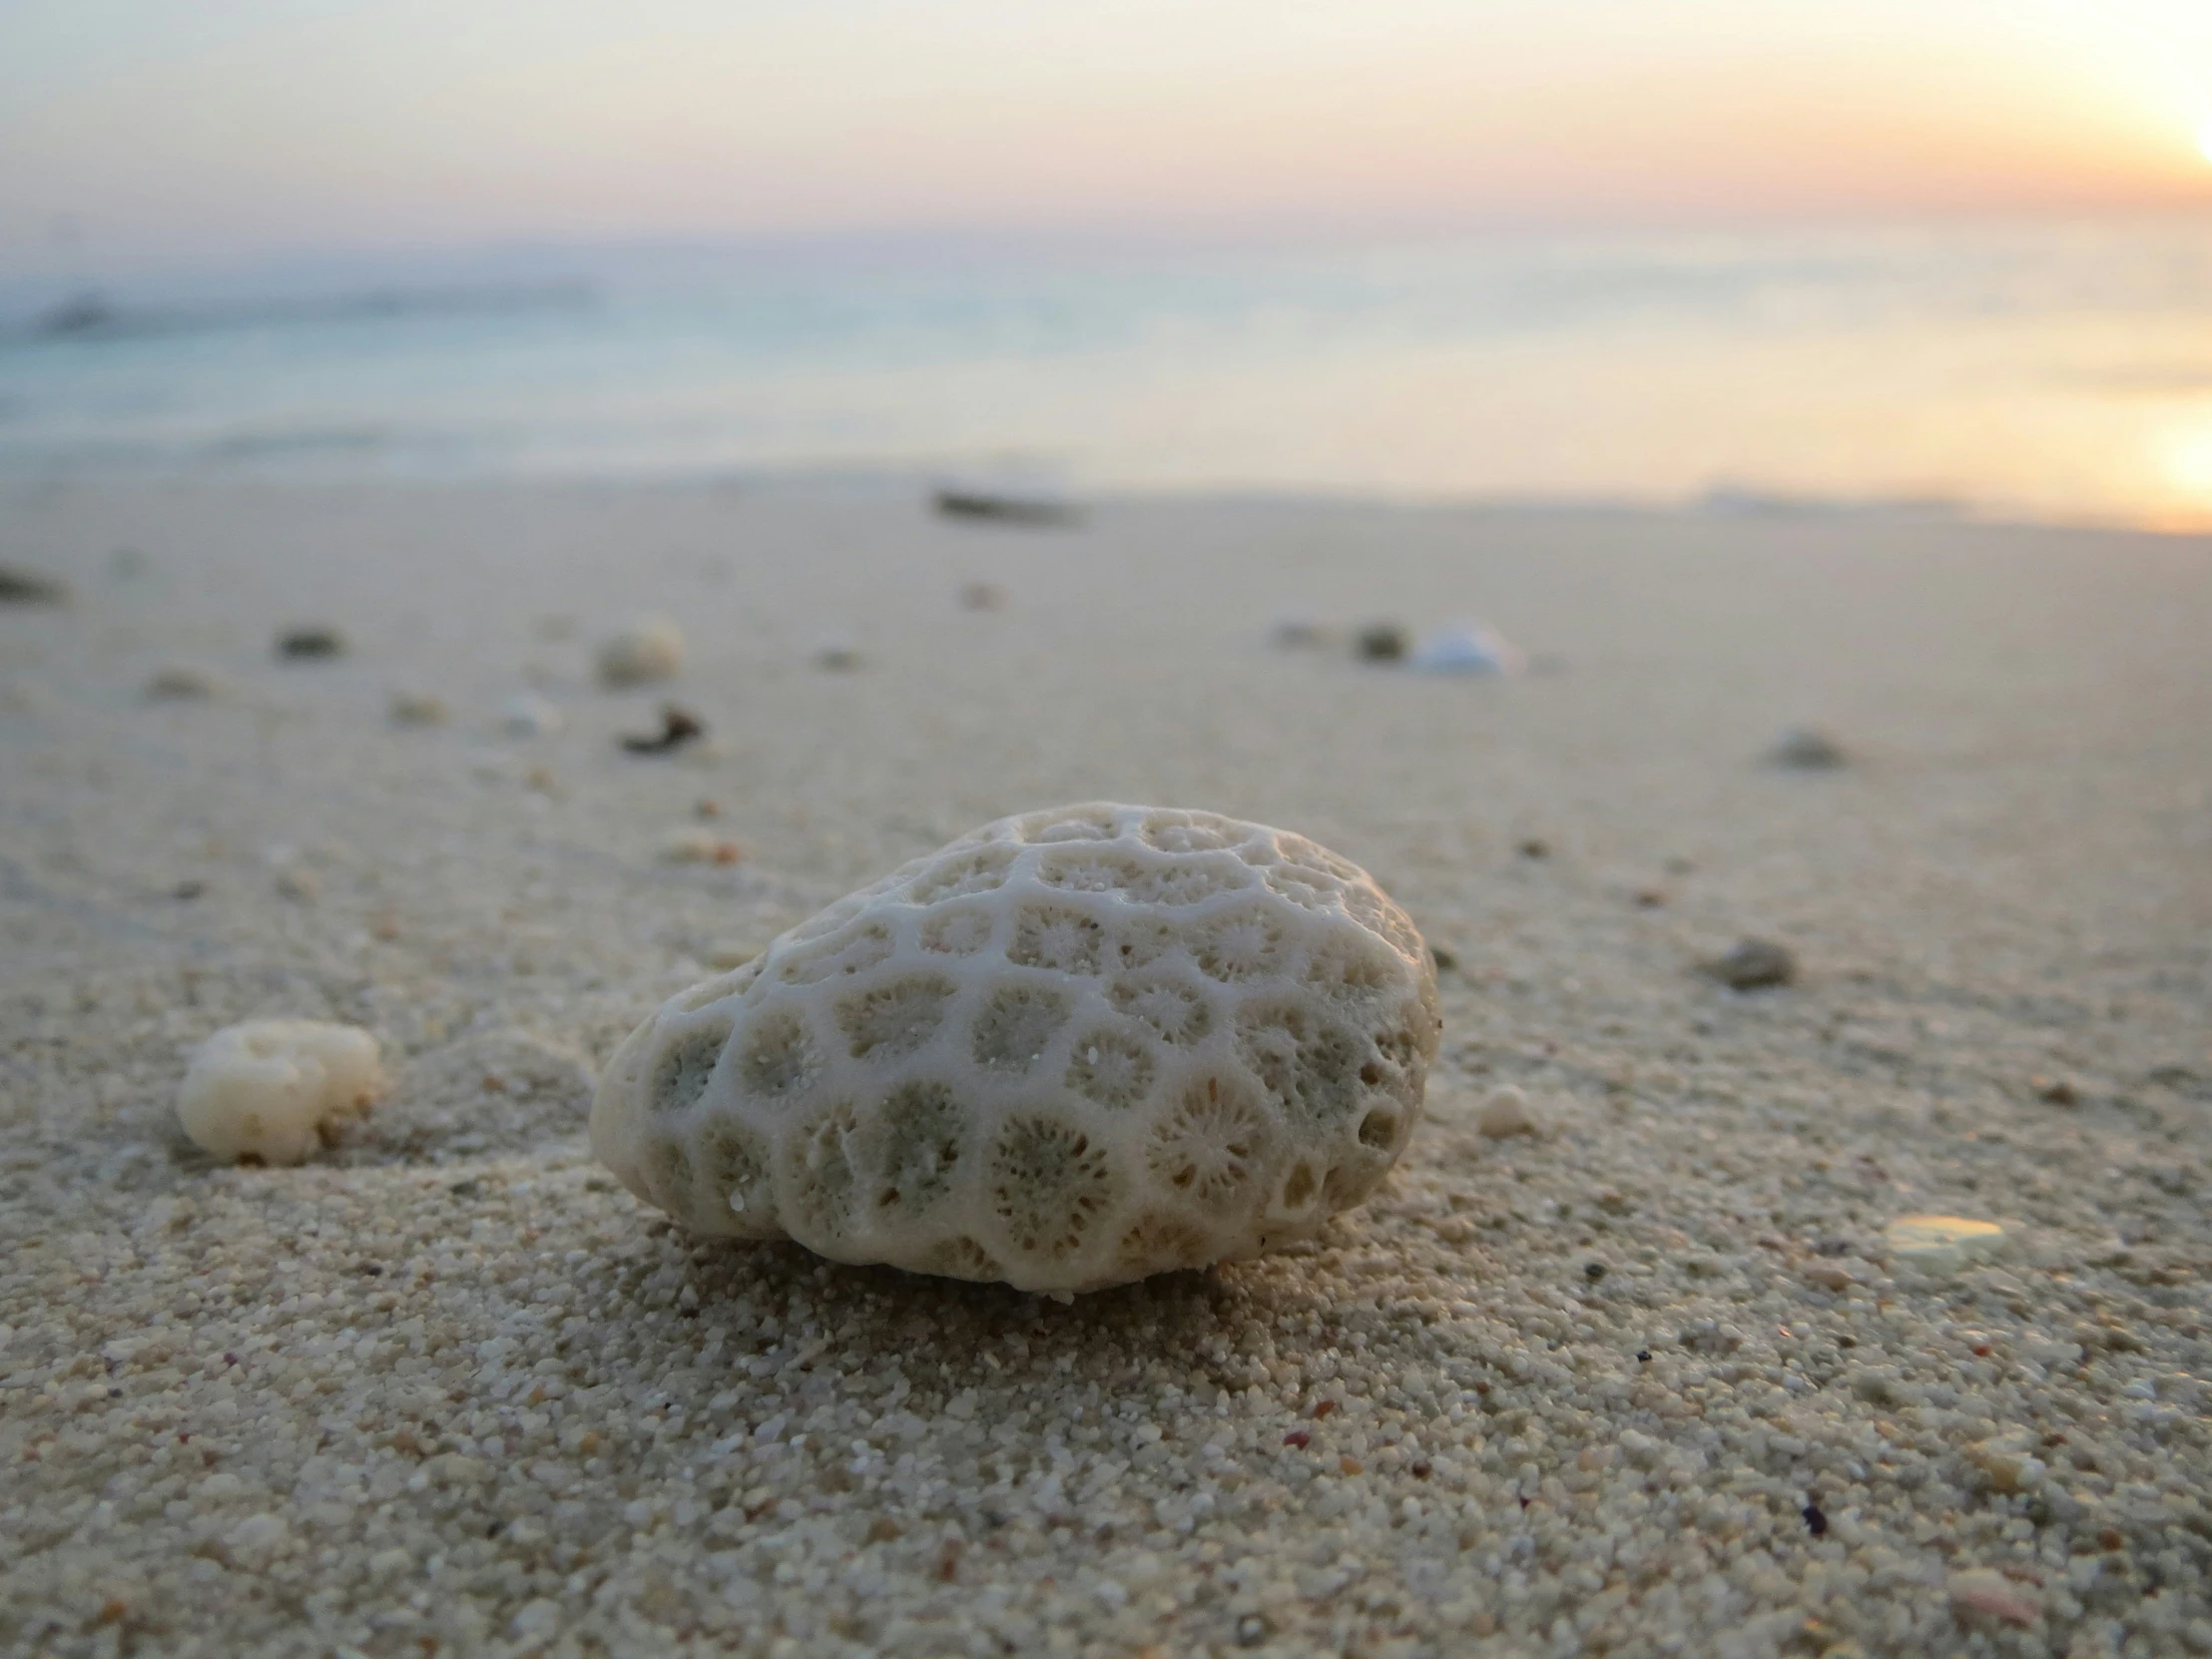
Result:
1648,1380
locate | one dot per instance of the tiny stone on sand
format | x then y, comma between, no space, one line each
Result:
1807,749
182,682
646,648
310,643
1381,642
414,707
1752,966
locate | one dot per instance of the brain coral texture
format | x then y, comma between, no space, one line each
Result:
1068,1050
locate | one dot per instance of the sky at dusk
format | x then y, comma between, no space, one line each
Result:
138,132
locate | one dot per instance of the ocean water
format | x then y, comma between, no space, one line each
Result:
2055,370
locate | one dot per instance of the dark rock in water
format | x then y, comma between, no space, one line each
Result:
1382,642
310,644
677,726
31,587
1535,847
990,507
1807,749
1754,964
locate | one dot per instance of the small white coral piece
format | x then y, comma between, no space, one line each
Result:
1508,1110
267,1088
647,647
1068,1050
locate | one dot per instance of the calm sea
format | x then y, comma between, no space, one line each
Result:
2050,370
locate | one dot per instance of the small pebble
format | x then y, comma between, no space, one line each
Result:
181,683
1381,642
697,847
2054,1091
407,708
1507,1111
530,716
1535,847
19,586
2011,1467
677,726
1807,749
647,647
309,643
982,596
955,501
838,655
1753,964
1445,958
1986,1590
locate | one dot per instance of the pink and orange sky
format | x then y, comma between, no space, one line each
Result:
148,132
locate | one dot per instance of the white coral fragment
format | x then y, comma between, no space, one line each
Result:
1068,1050
267,1089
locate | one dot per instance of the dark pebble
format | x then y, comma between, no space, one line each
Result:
677,726
1381,642
1807,749
1002,509
1754,964
1815,1521
307,645
31,587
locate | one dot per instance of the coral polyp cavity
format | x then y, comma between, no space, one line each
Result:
1070,1049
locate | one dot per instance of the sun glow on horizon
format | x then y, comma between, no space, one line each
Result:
166,132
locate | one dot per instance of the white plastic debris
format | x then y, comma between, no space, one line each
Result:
1467,648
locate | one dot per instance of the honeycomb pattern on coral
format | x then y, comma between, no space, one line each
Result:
1068,1050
